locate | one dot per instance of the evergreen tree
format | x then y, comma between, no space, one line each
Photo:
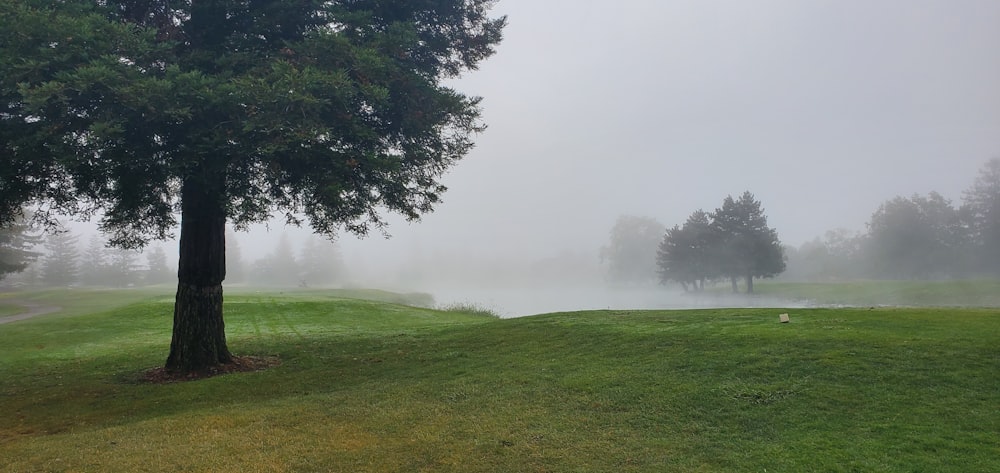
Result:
687,254
320,262
747,247
157,269
233,110
60,265
123,267
17,242
95,269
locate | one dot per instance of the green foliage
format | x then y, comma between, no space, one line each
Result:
233,111
325,108
366,386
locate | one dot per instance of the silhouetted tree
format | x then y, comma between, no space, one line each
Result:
688,254
232,110
631,254
747,247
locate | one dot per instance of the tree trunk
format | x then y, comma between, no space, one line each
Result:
736,287
749,283
199,336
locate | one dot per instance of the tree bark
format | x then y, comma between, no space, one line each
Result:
199,335
736,287
749,283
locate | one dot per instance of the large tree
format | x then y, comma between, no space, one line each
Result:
687,254
748,248
232,110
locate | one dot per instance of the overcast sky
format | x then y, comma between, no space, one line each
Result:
822,109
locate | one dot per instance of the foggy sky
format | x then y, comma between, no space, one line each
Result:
822,109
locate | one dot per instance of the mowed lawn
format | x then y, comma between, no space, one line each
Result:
381,387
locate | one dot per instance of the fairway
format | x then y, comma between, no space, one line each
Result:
378,386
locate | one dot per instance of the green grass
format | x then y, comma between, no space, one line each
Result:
375,386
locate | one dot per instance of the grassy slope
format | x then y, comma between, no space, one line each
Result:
368,386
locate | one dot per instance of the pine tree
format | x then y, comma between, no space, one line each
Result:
747,247
687,254
320,262
232,111
94,266
123,267
157,269
60,265
17,243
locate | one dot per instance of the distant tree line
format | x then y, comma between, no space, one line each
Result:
917,237
30,258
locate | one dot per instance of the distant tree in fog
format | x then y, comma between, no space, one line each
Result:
279,268
236,267
631,253
838,255
157,269
916,238
747,247
17,242
320,262
95,267
981,204
60,265
688,254
123,267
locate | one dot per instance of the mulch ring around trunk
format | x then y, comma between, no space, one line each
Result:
240,364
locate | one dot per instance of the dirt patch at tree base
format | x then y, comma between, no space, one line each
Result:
240,364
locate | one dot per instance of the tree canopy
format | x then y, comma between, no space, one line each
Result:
230,110
733,242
